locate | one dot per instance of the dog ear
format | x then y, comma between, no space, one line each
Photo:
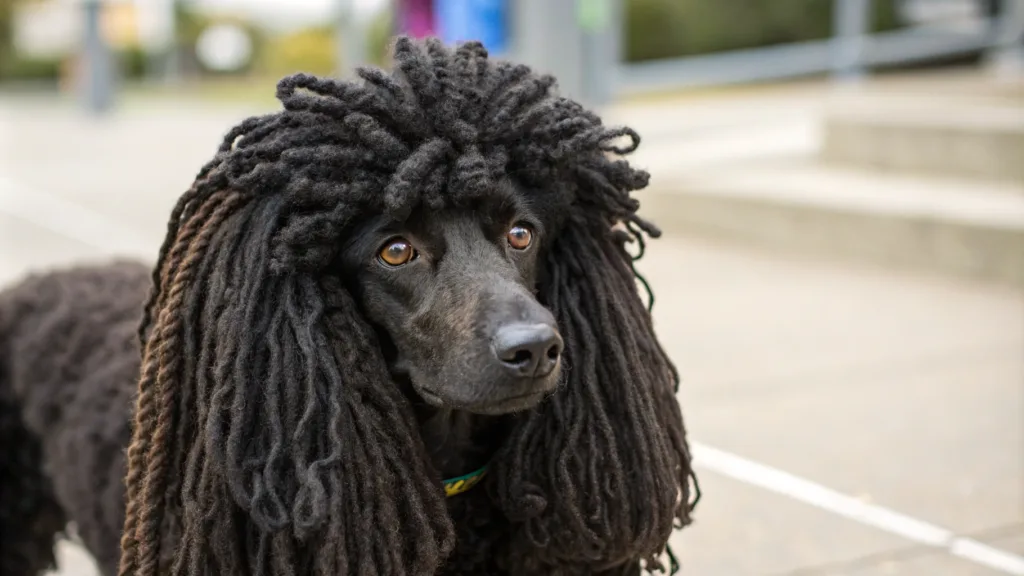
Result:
600,472
283,445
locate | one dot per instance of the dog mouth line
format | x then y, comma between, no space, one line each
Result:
436,398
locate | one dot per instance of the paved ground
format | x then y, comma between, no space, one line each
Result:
846,421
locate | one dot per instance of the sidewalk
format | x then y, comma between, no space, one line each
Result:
899,391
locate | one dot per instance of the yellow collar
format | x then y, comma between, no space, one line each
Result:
456,486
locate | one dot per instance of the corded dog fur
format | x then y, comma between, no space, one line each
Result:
385,284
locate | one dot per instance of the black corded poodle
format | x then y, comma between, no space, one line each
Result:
297,408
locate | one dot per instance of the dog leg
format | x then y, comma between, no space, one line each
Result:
30,516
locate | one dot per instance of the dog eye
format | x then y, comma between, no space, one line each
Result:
520,237
397,252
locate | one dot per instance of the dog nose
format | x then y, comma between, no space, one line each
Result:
528,350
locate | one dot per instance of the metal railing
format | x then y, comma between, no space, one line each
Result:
580,42
847,55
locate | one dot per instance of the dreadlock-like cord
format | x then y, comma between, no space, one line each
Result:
138,449
145,410
195,406
167,350
151,449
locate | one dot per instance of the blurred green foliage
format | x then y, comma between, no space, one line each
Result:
379,36
6,32
190,25
13,66
19,68
668,28
315,49
311,50
131,61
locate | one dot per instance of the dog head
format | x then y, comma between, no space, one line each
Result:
452,225
453,295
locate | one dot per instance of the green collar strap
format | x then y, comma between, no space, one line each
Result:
458,485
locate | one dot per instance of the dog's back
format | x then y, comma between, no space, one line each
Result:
68,364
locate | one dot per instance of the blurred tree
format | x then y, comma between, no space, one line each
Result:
379,35
13,66
309,50
6,35
669,28
133,62
314,49
189,25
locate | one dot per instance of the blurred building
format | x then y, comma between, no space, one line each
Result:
457,20
51,28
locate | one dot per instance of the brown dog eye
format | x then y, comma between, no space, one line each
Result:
519,237
397,252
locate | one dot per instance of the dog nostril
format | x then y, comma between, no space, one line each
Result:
554,352
519,357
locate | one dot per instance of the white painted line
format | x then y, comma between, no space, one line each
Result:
772,479
70,220
975,551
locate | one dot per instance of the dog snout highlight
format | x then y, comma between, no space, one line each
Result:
527,350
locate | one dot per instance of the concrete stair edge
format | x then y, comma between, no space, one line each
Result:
964,229
942,138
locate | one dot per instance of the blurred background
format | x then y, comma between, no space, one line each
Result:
840,182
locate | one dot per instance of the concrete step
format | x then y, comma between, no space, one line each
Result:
795,204
941,136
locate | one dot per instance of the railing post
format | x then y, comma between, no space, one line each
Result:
546,35
96,80
597,20
173,64
1006,56
850,29
162,64
351,42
